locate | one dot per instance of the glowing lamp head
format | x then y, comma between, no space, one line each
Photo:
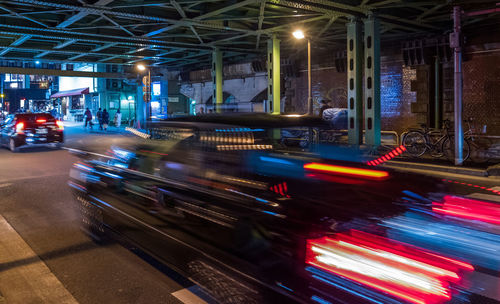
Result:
141,67
299,34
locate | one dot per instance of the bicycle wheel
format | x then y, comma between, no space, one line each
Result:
479,149
448,149
415,143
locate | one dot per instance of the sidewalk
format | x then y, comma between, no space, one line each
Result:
95,128
24,277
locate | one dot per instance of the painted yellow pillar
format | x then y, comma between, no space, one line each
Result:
217,79
274,75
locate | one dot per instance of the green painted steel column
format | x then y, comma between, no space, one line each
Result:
372,82
354,83
273,75
217,79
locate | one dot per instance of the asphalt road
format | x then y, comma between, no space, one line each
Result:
36,202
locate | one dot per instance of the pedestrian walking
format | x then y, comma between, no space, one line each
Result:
88,118
105,119
118,118
99,118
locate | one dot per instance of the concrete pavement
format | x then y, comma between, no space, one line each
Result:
34,275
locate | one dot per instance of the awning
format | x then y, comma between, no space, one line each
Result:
70,93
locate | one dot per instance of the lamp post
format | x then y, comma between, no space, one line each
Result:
299,34
146,81
2,95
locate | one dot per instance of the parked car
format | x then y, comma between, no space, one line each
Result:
222,201
30,130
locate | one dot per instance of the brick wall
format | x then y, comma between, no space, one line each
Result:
327,83
397,96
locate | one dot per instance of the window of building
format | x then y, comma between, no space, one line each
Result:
156,88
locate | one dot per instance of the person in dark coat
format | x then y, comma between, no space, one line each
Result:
99,118
88,118
105,119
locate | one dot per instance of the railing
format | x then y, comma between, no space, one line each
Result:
240,107
388,138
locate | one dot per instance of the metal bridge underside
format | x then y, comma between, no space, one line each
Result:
183,33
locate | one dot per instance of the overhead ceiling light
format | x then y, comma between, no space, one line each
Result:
299,34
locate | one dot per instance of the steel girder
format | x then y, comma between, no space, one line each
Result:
329,7
372,81
72,52
98,10
253,21
26,71
354,82
88,37
65,44
261,21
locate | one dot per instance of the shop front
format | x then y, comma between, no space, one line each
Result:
71,103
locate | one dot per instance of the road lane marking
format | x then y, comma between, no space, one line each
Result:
5,185
24,278
186,296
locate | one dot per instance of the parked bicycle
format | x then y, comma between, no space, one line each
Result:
437,143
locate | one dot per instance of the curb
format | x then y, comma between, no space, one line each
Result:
440,168
494,171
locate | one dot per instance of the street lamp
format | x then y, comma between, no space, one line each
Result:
299,34
141,67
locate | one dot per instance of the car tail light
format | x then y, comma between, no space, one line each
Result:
468,209
41,120
347,171
395,268
60,125
20,127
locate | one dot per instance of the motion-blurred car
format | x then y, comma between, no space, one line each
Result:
224,202
29,130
